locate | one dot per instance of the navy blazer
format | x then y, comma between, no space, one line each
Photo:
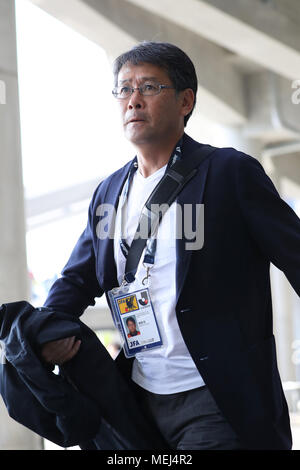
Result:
223,295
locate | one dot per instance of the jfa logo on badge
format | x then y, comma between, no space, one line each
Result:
128,304
144,298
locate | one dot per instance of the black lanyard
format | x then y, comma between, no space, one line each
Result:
151,242
178,172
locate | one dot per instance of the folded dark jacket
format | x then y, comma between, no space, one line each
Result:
88,403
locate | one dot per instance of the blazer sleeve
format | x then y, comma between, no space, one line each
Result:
78,285
271,221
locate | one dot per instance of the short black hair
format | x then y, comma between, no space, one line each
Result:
130,319
176,63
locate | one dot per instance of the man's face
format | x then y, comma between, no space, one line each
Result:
149,119
131,326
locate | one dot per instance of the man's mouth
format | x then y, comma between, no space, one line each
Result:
133,120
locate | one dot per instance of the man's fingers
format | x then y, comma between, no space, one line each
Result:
59,346
60,351
54,350
68,356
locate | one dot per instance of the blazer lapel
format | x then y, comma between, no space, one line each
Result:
192,194
106,264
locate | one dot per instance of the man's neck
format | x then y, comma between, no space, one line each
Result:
151,158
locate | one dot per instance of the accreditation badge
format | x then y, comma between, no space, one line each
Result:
134,316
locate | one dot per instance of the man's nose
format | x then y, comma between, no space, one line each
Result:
136,100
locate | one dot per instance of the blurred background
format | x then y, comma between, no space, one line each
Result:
60,133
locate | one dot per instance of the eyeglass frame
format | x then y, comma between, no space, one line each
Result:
160,87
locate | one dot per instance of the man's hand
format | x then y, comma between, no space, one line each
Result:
60,351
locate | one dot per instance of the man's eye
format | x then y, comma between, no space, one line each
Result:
124,90
148,86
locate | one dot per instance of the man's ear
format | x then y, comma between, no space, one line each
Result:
187,101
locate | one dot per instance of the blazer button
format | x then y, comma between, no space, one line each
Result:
187,309
204,358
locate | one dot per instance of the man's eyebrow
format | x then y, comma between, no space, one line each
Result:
142,78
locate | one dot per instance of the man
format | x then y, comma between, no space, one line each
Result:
131,325
214,382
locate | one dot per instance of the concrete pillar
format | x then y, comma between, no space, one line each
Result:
282,296
282,292
13,266
283,301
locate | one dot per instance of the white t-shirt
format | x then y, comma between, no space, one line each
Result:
170,368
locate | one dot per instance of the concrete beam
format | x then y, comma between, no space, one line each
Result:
118,24
272,114
83,19
61,198
251,28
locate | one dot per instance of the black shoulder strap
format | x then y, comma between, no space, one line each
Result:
164,193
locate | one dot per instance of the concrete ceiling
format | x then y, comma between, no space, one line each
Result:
231,43
254,29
